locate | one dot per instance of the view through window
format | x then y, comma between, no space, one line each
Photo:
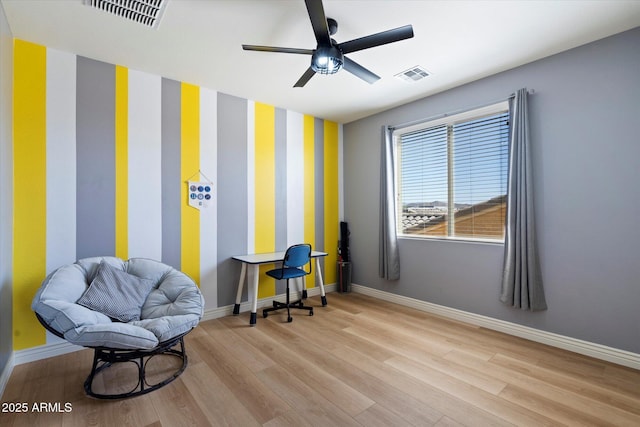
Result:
452,175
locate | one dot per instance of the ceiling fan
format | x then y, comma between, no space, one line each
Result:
329,56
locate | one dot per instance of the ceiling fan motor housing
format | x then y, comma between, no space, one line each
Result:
327,60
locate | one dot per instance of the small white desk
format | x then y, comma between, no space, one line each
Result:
254,261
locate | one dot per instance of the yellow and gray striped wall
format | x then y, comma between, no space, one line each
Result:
102,154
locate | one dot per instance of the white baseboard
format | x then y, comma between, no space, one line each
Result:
246,306
44,352
56,349
6,373
31,355
598,351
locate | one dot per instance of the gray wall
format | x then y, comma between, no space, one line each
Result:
6,189
586,158
95,139
232,207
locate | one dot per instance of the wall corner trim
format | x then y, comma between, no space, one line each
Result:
6,373
598,351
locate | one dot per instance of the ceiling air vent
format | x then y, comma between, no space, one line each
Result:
146,12
413,74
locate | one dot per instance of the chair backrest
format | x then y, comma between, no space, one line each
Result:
297,256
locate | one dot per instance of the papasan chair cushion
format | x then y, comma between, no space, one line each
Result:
173,304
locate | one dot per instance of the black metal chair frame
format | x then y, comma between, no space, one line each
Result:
104,357
298,304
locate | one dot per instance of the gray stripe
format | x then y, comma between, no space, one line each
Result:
281,178
95,158
171,203
319,187
281,186
232,194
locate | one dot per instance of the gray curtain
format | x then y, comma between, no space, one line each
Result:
521,277
389,258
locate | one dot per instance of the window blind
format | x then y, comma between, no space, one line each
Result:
452,178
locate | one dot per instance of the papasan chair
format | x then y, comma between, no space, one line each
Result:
127,311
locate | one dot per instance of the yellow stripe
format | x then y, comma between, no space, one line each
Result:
189,166
29,192
265,191
331,200
309,189
122,162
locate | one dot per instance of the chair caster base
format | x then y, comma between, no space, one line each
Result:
277,305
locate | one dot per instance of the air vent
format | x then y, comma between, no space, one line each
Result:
413,74
145,12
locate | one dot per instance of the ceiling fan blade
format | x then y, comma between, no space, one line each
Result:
318,21
359,71
305,78
378,39
277,49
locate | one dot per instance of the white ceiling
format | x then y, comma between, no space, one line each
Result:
199,41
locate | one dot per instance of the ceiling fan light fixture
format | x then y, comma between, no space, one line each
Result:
327,60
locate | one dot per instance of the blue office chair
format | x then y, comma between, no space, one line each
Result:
293,265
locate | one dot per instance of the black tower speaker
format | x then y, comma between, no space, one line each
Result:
343,245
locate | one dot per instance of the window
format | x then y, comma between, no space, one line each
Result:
452,175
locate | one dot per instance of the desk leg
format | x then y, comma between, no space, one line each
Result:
319,275
243,274
253,292
301,286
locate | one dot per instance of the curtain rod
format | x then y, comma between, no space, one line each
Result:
451,113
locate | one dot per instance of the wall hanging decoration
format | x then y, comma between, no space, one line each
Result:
200,192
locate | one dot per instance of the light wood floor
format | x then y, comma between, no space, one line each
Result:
357,362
